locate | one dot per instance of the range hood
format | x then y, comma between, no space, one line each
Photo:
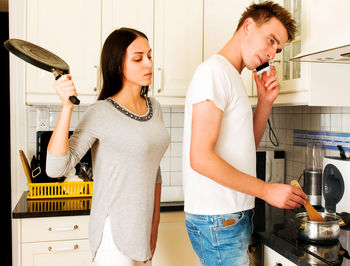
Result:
339,55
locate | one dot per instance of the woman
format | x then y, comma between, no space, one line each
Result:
125,131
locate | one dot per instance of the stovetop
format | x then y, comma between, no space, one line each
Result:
280,227
329,253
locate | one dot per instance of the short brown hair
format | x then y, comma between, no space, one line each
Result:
264,11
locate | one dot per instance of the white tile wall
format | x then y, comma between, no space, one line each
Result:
171,163
173,121
283,120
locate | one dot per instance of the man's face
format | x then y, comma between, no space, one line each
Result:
262,42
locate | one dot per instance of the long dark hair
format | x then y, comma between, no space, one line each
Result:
112,58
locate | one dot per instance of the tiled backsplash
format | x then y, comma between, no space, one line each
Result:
283,120
45,118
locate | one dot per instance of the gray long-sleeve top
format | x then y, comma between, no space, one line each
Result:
126,153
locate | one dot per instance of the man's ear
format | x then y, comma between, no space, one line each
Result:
248,24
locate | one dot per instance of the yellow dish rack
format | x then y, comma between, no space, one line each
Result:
59,205
60,190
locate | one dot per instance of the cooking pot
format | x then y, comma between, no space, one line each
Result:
319,232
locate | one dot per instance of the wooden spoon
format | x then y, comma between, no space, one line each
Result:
313,214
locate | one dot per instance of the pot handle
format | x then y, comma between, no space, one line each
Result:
346,219
343,252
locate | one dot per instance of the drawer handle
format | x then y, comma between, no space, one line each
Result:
63,248
67,228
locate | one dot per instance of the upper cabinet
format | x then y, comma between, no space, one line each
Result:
220,23
289,72
182,34
71,30
314,84
178,31
174,30
137,14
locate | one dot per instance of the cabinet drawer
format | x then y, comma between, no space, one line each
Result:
273,258
55,228
67,253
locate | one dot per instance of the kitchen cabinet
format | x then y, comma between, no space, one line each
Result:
78,39
63,240
220,23
272,258
178,30
289,72
173,246
314,84
137,14
68,253
72,30
55,241
174,30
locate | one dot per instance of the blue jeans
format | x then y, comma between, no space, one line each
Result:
221,239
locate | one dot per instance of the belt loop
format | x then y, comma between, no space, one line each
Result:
211,219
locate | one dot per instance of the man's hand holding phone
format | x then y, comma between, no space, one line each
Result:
267,85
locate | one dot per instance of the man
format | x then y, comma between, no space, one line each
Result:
221,136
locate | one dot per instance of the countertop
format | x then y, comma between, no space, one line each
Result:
276,229
273,227
27,208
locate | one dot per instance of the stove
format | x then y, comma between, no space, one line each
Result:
284,228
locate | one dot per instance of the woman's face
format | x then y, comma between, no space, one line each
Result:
138,63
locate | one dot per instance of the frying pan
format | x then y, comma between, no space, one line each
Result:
39,57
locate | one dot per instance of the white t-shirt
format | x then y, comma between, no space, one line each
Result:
217,80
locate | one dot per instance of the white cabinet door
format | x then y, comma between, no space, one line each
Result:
137,14
54,229
173,245
71,30
220,23
315,84
177,45
272,258
67,253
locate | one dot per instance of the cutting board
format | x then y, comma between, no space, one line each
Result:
25,165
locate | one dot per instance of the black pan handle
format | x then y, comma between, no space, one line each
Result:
73,99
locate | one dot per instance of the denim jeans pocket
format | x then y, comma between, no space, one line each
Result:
196,240
227,221
232,229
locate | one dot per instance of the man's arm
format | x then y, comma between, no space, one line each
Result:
261,115
206,123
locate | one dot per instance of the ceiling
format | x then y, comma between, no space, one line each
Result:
4,6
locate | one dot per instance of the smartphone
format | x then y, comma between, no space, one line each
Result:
263,68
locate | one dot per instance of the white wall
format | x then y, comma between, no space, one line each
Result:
171,163
285,119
